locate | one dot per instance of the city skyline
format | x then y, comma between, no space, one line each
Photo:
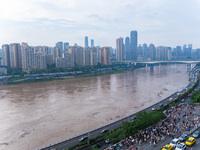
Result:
44,22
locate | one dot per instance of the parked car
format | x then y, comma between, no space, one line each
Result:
104,131
196,134
181,146
83,139
175,142
171,99
107,141
183,137
190,141
133,118
167,147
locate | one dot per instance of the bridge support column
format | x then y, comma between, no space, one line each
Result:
151,67
189,67
132,67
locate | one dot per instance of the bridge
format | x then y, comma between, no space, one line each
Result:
158,61
152,63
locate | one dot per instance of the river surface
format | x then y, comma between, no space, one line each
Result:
39,114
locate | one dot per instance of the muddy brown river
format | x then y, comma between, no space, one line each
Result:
39,114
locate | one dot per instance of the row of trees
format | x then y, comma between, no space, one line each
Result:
54,69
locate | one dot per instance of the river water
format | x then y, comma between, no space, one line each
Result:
39,114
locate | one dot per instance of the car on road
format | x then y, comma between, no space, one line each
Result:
190,141
171,99
183,137
174,142
196,134
181,146
183,100
154,108
133,118
83,139
104,131
161,105
167,147
107,141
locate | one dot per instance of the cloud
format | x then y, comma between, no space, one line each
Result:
73,19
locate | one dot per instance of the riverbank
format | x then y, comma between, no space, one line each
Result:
78,75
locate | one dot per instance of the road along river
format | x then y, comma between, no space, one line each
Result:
38,114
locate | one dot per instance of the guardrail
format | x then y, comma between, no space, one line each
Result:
113,122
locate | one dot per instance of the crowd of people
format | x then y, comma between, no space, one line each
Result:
180,119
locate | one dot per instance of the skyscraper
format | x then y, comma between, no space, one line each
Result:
86,41
65,46
145,50
152,52
6,55
127,48
92,42
88,56
57,52
105,56
15,55
60,44
120,52
133,40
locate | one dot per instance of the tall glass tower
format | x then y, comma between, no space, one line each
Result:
127,48
92,42
133,40
86,41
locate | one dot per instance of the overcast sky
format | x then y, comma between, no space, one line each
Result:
45,22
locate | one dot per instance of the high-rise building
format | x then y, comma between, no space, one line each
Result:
49,59
178,52
65,46
162,53
88,56
15,55
5,55
145,50
86,41
133,40
34,57
92,42
68,59
80,56
25,52
60,44
98,53
105,56
94,56
57,52
152,52
38,61
140,50
60,63
190,46
120,52
127,48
